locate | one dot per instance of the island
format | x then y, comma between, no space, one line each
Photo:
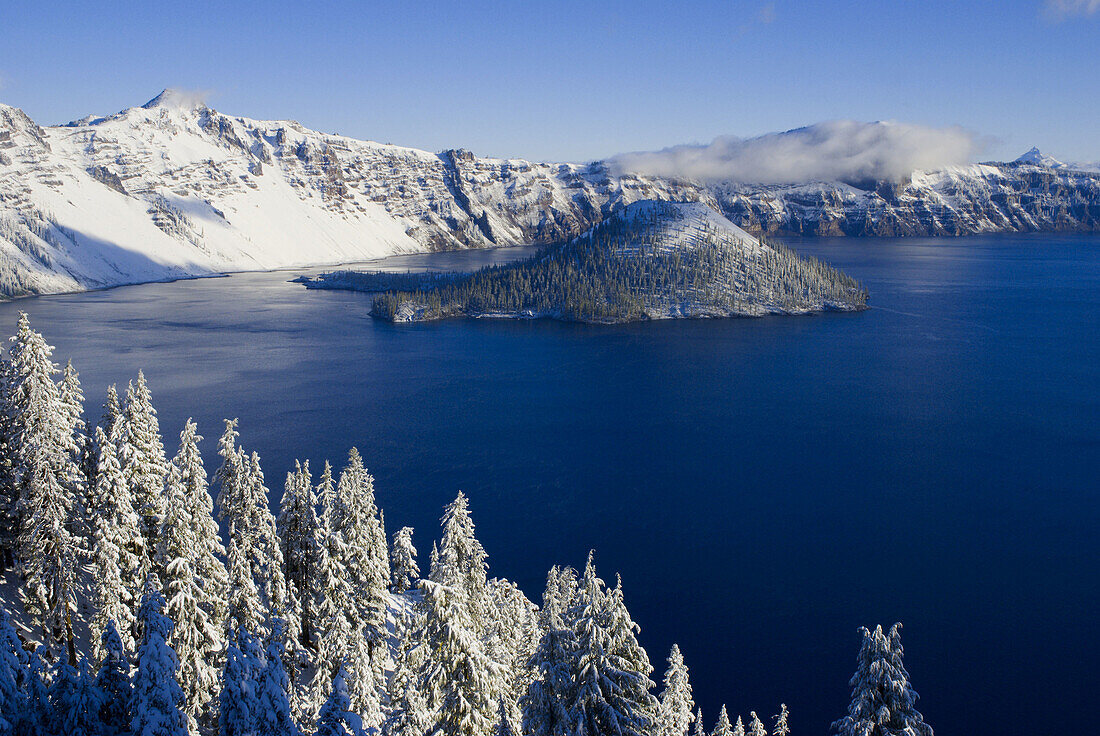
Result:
649,260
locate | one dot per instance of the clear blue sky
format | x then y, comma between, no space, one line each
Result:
574,80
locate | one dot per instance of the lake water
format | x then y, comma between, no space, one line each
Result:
764,486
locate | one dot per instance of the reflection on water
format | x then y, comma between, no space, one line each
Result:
764,486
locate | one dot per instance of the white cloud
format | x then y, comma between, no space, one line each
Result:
1062,9
844,150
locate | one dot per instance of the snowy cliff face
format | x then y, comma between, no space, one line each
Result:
174,188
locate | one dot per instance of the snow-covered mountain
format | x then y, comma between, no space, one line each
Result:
174,188
1035,157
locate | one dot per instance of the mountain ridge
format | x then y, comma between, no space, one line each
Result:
174,188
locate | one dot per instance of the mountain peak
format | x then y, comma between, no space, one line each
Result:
174,97
1036,157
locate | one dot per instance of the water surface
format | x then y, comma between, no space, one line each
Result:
764,486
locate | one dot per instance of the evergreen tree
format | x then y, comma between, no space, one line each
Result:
207,550
299,538
458,679
674,714
883,701
113,682
698,729
238,702
37,716
272,699
365,563
141,454
722,727
336,718
338,638
14,671
738,727
158,698
504,722
49,545
117,543
511,637
238,512
257,591
408,712
546,704
756,726
462,560
9,484
405,573
611,670
76,700
781,727
194,638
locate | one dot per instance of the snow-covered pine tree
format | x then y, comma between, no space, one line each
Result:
72,403
698,729
273,712
722,726
112,410
781,728
299,532
756,726
113,682
14,670
458,680
337,615
141,454
405,572
407,712
738,727
158,699
49,545
206,550
257,586
76,700
37,715
335,717
883,701
116,560
511,638
237,704
611,670
195,638
365,562
462,560
9,491
504,721
674,713
546,704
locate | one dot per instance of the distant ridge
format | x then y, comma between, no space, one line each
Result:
174,188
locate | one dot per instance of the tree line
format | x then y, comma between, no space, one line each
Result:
140,618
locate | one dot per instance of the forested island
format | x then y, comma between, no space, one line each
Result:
140,599
650,260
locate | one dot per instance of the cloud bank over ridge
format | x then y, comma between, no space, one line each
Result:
838,150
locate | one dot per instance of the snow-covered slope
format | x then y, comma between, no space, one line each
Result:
174,188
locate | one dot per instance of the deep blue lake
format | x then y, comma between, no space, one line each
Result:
764,486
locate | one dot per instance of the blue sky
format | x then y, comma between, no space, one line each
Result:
575,80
